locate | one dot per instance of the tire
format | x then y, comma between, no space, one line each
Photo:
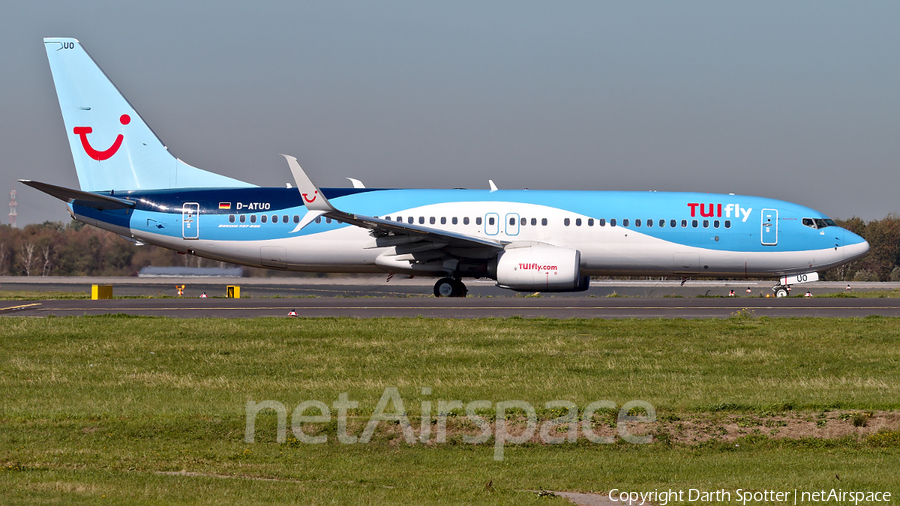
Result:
460,289
445,287
781,292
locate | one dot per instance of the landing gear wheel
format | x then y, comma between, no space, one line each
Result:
460,289
445,287
781,292
448,287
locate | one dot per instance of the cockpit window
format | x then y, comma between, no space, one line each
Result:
818,223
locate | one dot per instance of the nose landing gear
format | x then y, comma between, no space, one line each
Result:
449,287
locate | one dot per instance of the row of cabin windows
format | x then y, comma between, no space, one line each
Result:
274,219
649,223
492,221
264,218
465,221
567,222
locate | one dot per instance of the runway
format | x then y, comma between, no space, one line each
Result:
472,307
400,286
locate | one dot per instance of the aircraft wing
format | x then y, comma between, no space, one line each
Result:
318,205
78,197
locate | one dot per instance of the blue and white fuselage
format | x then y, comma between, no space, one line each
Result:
524,239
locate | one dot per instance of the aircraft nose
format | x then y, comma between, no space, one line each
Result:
854,246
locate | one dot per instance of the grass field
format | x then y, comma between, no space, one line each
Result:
57,295
133,409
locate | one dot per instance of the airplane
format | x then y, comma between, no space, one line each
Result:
524,240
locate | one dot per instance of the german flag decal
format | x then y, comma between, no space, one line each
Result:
224,205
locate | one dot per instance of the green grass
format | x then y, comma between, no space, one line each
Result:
101,406
41,295
863,294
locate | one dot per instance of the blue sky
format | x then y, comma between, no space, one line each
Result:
796,101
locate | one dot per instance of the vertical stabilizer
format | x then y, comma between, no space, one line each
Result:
112,147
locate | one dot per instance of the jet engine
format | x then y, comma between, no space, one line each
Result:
541,268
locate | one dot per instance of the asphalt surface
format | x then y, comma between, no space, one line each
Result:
471,307
399,286
370,297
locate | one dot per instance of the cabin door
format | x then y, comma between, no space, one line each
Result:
190,220
769,227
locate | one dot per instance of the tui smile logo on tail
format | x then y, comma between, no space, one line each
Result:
107,153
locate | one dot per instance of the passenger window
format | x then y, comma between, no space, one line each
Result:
637,223
662,223
577,222
649,223
612,222
454,220
523,221
263,218
590,222
478,220
410,220
296,218
231,218
566,222
466,220
443,220
683,223
252,218
274,218
673,223
491,220
327,220
431,220
727,223
601,222
243,218
716,224
533,222
512,221
543,222
284,218
421,220
694,223
318,219
625,222
705,223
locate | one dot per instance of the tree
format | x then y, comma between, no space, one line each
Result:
27,259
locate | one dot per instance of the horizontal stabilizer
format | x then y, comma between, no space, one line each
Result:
79,197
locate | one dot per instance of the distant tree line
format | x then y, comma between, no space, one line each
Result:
75,249
882,263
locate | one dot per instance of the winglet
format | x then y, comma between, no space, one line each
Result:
312,196
493,186
356,183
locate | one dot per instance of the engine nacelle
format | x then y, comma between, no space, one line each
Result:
541,268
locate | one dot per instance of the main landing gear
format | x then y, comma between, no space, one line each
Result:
449,287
